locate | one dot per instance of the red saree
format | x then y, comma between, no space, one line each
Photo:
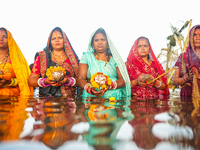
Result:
44,60
136,66
186,60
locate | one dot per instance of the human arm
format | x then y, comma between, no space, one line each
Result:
177,80
82,81
34,77
157,83
4,82
82,75
120,81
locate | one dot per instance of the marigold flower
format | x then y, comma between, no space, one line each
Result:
52,69
96,85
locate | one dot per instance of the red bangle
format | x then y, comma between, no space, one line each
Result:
185,78
113,85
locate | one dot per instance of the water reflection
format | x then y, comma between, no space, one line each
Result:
98,123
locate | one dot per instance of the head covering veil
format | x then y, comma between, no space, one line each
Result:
46,62
137,60
188,59
20,66
71,54
119,61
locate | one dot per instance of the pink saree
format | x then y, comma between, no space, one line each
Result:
187,59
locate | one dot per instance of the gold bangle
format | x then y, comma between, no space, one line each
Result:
13,82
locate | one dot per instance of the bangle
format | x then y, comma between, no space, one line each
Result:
185,78
88,88
42,82
155,84
86,85
13,82
74,81
39,82
113,85
70,82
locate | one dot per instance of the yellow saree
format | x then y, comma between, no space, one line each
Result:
18,68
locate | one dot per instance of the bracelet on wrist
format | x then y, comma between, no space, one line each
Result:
88,88
14,82
71,82
74,81
157,84
41,83
113,85
185,78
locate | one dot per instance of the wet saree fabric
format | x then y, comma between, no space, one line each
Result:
18,67
185,60
44,60
136,66
109,69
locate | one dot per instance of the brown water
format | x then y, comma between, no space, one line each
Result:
41,123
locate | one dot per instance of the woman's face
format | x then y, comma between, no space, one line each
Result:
100,43
57,40
143,48
3,39
197,38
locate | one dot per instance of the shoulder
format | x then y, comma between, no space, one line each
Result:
86,57
87,53
41,53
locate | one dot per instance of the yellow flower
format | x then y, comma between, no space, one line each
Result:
112,98
95,85
104,87
52,69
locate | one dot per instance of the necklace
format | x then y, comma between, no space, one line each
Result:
1,71
6,57
99,60
59,63
60,55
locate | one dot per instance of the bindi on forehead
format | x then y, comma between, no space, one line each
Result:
197,31
56,33
99,34
142,41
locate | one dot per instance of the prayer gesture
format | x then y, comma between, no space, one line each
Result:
144,80
98,93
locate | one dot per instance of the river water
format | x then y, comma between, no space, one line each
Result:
74,123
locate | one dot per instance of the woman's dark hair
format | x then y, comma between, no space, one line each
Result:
147,42
198,27
101,30
55,29
4,30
